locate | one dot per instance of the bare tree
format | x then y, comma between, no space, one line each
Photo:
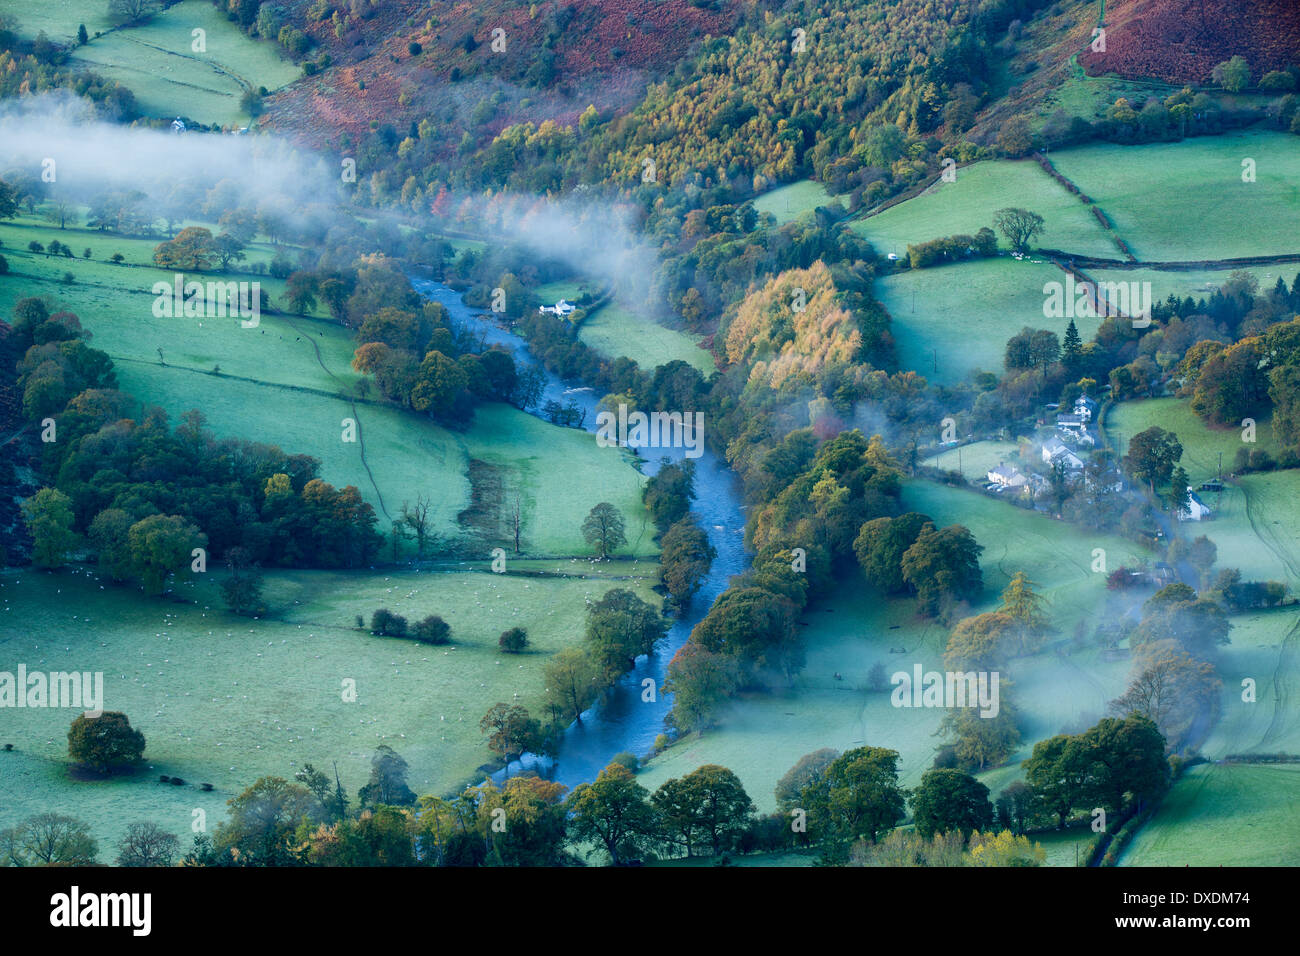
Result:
131,11
516,516
147,844
420,520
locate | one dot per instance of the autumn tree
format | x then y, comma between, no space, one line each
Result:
943,564
49,519
48,839
858,795
620,627
1152,455
1171,688
510,731
387,783
193,249
684,559
571,683
699,680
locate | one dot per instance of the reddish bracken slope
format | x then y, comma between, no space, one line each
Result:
1181,41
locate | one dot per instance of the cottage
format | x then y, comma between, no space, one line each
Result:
1195,509
562,308
1007,476
178,126
1054,451
1085,408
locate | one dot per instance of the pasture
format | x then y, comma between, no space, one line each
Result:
1187,201
1202,444
613,330
787,203
967,205
1197,283
224,699
1222,815
158,61
953,320
977,459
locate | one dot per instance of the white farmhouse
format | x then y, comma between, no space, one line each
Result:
1055,450
1195,509
1007,476
562,308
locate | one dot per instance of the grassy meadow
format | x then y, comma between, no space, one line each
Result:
977,459
1187,201
613,330
965,313
1222,815
967,205
787,203
157,59
224,699
289,382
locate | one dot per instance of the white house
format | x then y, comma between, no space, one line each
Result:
1071,423
561,308
1007,476
1195,509
1055,450
1085,408
177,125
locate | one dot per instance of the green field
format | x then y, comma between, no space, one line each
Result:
967,205
787,203
977,459
156,60
284,383
1202,444
760,737
613,330
965,313
1197,283
552,292
1223,815
16,233
224,699
1187,202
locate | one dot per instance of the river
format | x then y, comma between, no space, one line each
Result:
621,720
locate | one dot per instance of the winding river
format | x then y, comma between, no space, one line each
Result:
621,720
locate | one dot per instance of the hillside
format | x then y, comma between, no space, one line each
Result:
558,59
1181,41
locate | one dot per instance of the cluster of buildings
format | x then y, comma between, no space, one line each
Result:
1067,444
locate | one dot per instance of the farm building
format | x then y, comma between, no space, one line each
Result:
562,308
1007,476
